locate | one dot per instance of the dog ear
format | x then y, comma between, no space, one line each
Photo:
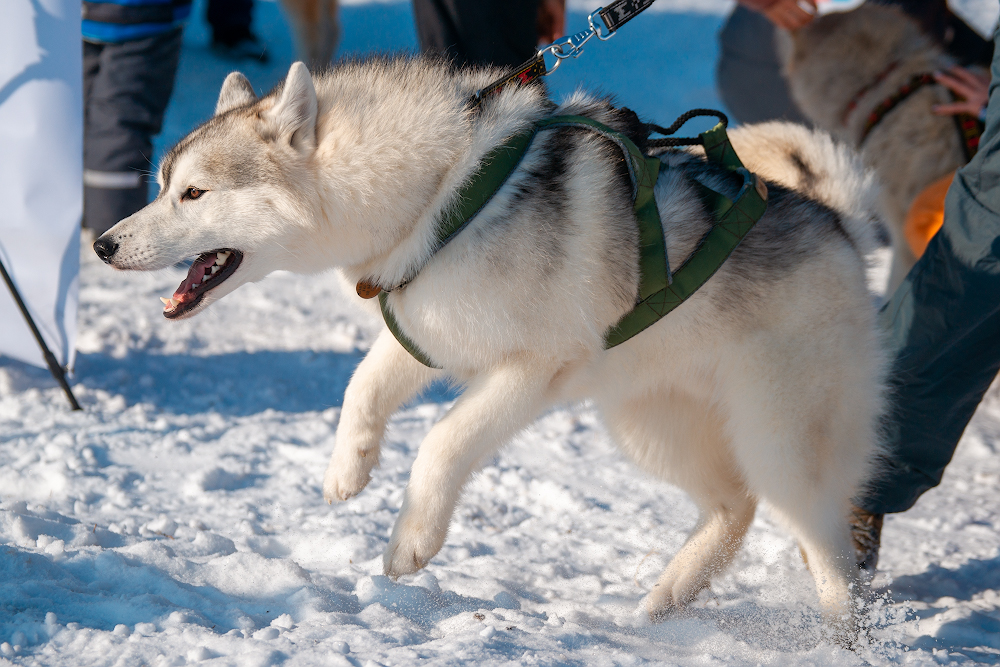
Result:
236,92
293,116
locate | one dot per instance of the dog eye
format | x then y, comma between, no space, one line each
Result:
192,193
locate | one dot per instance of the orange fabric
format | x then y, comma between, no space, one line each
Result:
926,215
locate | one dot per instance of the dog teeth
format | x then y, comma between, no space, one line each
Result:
169,303
205,277
216,269
221,257
165,300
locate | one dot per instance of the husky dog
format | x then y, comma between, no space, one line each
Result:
840,67
766,384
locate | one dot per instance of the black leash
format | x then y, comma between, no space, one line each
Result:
58,372
603,23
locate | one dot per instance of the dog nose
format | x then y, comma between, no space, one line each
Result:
105,249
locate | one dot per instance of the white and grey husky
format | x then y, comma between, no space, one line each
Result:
765,385
841,67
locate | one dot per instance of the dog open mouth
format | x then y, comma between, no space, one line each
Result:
209,271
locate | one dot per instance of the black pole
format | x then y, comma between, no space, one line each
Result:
58,372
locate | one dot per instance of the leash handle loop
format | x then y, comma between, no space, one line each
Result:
673,142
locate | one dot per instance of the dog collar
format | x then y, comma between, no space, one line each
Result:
660,292
916,82
853,104
969,127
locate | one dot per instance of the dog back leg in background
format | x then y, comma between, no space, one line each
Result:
903,258
317,30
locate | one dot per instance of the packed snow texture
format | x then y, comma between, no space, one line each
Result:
179,518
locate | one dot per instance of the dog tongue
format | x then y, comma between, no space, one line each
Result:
194,276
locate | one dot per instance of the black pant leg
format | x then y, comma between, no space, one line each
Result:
91,67
478,32
230,20
126,99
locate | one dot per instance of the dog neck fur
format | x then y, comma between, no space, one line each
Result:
402,127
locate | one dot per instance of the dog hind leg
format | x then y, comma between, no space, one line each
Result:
384,380
709,549
803,450
824,540
676,435
903,258
493,408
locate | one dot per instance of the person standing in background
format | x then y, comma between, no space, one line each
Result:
748,73
488,32
130,56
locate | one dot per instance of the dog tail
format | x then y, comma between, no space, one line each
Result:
813,163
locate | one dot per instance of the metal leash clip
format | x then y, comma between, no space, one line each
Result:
572,45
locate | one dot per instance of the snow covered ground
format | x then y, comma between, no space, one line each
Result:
179,517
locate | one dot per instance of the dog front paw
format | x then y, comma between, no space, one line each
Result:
410,549
346,479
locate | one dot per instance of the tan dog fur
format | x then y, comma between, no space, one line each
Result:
830,60
317,29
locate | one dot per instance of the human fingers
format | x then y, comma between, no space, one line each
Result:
956,108
551,20
789,14
976,79
962,88
972,88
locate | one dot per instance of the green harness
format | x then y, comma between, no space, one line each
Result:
659,290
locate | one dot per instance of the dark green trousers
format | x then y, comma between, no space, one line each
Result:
944,324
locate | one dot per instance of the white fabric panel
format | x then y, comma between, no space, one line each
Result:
41,171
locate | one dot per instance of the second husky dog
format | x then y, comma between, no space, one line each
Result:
766,384
841,67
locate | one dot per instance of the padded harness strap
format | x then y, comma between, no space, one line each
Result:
659,292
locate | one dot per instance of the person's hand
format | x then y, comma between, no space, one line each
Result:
791,14
972,88
551,20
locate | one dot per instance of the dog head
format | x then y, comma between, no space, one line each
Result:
235,194
828,61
